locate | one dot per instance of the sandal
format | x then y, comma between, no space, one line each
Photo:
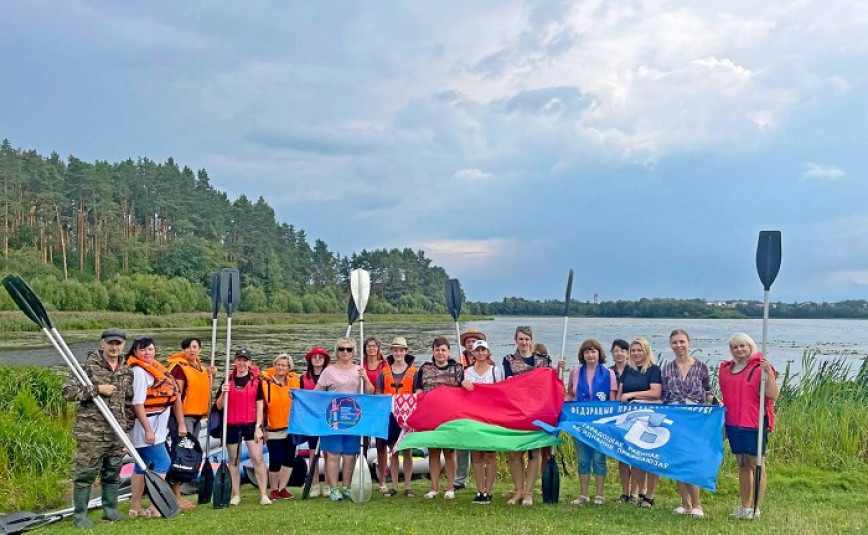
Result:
646,502
516,497
136,513
409,493
527,501
152,512
624,498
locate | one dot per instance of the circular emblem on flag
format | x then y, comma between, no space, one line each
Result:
343,413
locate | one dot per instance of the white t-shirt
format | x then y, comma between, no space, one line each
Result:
493,375
159,422
333,379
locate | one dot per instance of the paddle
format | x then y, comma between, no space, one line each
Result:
160,492
452,293
551,479
206,477
230,295
768,264
360,287
352,315
308,481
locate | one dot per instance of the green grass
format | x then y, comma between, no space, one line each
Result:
801,500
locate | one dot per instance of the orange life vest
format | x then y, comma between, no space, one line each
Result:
404,387
163,392
197,385
278,402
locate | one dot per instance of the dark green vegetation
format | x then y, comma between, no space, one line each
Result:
141,236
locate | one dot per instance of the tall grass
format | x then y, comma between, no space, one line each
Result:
821,414
36,445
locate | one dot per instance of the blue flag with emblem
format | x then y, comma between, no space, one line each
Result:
681,442
317,413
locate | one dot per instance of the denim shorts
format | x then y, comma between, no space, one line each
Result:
742,440
340,444
588,458
156,457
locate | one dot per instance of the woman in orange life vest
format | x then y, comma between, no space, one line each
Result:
155,392
397,378
194,387
277,389
245,421
373,364
317,360
482,371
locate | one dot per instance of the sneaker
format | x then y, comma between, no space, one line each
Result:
748,514
273,495
384,489
431,494
285,494
479,498
335,495
326,490
486,497
697,513
264,500
235,500
345,492
459,486
599,500
680,510
449,495
581,500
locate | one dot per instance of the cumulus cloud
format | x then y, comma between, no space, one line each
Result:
472,174
814,171
461,256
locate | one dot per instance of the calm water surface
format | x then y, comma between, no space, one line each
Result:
787,338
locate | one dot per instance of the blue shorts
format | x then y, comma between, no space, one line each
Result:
588,458
340,444
742,440
156,458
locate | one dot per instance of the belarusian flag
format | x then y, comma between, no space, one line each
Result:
492,417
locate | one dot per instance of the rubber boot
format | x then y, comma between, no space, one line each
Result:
110,502
80,499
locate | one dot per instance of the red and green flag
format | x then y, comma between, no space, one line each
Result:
491,417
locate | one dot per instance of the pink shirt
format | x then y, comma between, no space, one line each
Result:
337,380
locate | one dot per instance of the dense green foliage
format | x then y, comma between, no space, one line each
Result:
141,236
36,444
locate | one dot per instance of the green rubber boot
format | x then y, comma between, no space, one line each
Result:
80,499
110,502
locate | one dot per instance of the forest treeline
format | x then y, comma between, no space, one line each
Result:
141,236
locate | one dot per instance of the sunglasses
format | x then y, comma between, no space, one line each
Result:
346,349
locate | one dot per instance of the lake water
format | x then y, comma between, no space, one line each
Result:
787,339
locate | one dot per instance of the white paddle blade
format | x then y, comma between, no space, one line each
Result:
360,489
360,286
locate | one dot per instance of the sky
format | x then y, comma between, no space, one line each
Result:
642,143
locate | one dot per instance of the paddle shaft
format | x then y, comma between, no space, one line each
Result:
225,449
762,406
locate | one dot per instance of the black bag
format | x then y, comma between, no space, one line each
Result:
215,423
299,472
186,459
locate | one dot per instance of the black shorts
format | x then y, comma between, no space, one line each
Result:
235,433
281,453
742,440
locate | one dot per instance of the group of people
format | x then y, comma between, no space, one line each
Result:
157,402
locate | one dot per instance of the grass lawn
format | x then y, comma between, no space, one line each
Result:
801,500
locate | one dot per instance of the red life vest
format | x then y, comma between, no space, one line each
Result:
740,393
163,392
242,401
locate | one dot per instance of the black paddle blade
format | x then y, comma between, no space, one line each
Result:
551,482
161,495
10,282
452,292
215,294
352,311
768,257
206,482
222,487
305,493
230,289
30,297
569,295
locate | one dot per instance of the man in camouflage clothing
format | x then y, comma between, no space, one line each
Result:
99,451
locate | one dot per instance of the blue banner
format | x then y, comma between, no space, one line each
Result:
316,413
681,442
